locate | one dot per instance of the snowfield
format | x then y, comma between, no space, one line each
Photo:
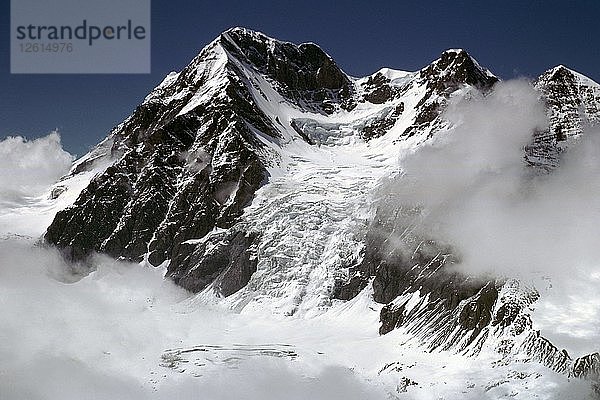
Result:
124,332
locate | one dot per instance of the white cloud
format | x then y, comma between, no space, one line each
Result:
478,196
28,167
101,336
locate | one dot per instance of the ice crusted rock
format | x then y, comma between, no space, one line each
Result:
185,161
305,73
587,367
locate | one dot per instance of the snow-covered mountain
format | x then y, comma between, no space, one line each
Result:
572,100
252,175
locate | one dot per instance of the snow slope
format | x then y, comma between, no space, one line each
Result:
153,341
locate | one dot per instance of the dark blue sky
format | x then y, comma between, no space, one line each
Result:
512,38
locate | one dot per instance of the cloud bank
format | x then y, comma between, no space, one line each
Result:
477,194
101,336
501,218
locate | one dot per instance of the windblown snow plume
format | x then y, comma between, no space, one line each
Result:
28,167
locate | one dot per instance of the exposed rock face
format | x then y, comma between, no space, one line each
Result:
401,264
380,126
453,70
573,101
456,67
587,367
378,89
306,74
542,350
226,259
187,159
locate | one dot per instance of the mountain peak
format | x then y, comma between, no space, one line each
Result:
562,73
305,72
248,40
455,51
558,73
456,66
243,30
244,36
573,102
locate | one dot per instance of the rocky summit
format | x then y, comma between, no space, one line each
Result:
252,176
